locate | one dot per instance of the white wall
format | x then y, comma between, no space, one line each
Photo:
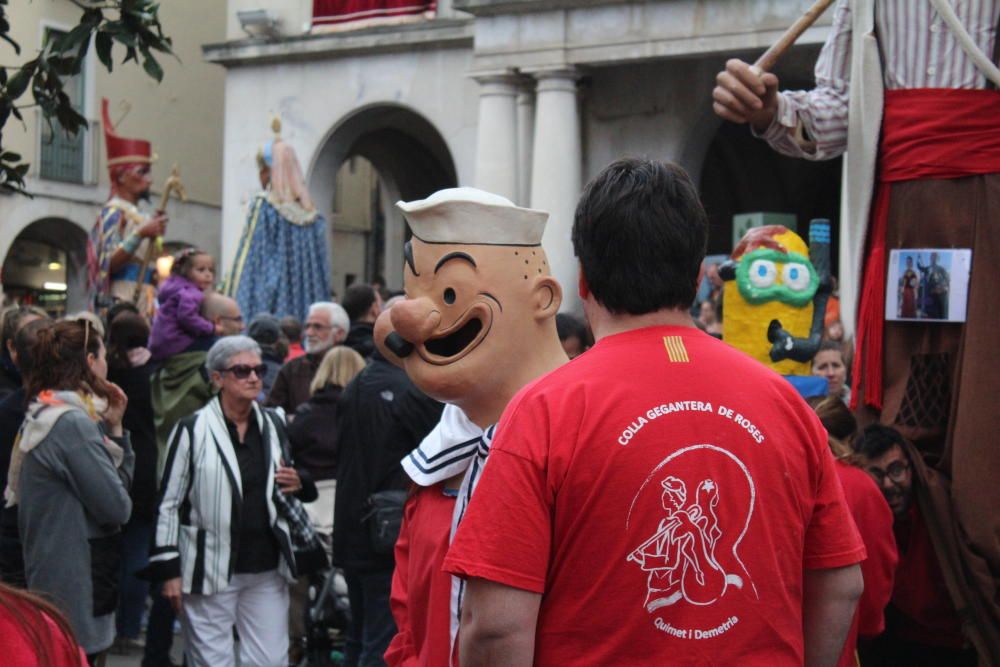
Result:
314,98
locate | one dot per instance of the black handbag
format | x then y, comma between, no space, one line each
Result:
384,517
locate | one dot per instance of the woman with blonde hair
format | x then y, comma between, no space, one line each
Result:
313,431
312,435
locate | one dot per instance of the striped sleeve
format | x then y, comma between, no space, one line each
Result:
164,557
812,124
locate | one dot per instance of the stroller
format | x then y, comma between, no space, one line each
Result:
327,620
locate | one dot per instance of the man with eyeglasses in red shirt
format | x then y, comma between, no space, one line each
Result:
922,626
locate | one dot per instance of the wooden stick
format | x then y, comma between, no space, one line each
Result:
172,186
767,61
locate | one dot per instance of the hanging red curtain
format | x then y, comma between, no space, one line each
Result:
333,12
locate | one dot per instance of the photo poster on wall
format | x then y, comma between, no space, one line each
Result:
928,284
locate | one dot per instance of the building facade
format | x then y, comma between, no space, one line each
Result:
43,238
525,98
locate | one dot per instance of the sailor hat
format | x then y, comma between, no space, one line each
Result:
469,216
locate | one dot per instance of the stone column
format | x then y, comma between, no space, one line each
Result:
556,172
525,139
496,141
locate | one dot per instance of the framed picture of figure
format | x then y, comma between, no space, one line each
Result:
928,284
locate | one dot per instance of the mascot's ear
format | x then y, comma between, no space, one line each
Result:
546,296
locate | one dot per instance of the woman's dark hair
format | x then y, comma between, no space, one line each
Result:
29,613
24,341
60,359
184,260
640,234
128,331
117,309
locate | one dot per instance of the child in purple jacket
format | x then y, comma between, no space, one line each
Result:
178,325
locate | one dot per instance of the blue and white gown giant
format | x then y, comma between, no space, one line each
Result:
281,263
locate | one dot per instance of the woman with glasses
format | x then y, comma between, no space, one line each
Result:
69,477
222,546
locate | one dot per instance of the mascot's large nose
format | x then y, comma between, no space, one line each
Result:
415,320
407,323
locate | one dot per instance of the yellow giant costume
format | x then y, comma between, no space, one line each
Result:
772,280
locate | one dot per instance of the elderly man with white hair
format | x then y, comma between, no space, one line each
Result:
223,547
327,325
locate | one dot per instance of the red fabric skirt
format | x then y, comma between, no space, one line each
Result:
927,134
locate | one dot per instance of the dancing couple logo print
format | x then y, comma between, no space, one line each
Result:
704,497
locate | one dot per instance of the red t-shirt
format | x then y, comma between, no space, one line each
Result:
874,521
19,650
663,492
421,591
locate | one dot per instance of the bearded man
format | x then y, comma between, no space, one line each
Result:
122,236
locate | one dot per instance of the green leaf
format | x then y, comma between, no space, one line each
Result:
92,17
18,83
125,37
102,44
130,54
73,38
153,68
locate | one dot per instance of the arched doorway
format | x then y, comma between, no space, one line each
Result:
47,266
373,158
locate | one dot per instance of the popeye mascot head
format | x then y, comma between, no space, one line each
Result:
478,321
775,295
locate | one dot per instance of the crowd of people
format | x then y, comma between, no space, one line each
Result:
489,483
183,470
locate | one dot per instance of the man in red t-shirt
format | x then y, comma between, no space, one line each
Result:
663,498
922,626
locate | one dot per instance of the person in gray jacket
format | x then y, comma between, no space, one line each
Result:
69,476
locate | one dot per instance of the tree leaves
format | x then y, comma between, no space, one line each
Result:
136,28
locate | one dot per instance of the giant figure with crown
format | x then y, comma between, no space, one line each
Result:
281,263
122,236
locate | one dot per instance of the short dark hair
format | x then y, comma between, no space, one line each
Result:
876,440
640,233
291,327
358,298
568,326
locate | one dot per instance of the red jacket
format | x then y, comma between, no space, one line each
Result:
874,519
421,591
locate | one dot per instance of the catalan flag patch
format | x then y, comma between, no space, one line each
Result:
675,348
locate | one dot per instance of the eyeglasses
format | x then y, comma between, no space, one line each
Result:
317,326
896,472
242,371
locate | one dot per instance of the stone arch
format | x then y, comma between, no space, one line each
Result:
33,247
407,151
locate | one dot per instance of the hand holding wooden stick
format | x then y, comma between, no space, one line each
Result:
767,61
173,185
747,93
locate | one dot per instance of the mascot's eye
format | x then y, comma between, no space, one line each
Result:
449,296
763,273
796,276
